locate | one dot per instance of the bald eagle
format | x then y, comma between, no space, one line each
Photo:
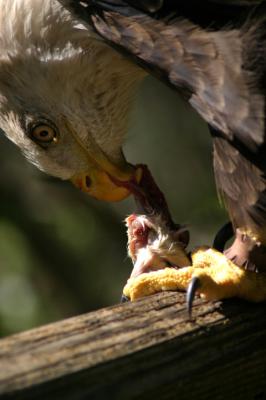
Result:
68,74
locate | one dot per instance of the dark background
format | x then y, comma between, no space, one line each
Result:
63,253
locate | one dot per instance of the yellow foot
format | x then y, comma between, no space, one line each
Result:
218,278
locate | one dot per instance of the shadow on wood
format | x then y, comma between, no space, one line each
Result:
143,350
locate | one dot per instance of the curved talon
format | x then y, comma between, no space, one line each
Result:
225,233
124,299
194,284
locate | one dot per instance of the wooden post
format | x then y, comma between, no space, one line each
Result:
143,350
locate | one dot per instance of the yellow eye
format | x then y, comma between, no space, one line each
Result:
44,134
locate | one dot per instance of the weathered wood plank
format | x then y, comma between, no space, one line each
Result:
143,350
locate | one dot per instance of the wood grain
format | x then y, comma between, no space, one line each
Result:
143,350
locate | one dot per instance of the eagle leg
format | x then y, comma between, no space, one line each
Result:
247,252
217,278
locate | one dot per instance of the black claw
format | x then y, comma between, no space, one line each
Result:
194,284
222,236
124,298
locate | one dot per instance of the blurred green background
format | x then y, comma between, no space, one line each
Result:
63,253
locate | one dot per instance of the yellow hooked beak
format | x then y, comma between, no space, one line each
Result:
104,180
108,183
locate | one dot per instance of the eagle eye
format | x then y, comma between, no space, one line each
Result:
43,134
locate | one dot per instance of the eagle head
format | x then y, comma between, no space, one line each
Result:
65,97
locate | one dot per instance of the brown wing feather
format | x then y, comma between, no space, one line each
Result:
242,186
206,63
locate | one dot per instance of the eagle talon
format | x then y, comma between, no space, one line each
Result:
194,284
124,299
225,233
